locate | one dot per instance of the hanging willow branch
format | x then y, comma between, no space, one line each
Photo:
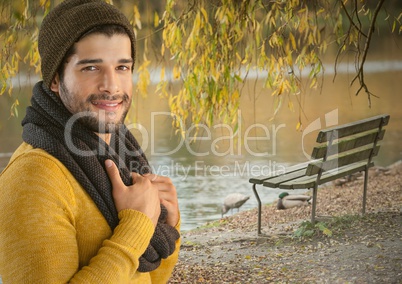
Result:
215,46
361,54
360,69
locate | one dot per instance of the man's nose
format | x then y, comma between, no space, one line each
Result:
110,82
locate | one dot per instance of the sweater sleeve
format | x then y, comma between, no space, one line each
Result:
164,271
38,236
117,259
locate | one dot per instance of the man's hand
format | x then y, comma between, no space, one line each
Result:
142,196
167,195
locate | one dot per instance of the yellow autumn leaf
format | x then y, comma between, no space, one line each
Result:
290,106
163,49
292,41
10,38
156,19
3,88
192,58
143,82
279,90
204,13
17,56
289,58
244,60
162,77
176,72
137,17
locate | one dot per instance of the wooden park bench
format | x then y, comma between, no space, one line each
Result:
341,151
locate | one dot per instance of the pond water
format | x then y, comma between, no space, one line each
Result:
222,160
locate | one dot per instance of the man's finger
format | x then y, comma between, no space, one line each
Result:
157,178
113,174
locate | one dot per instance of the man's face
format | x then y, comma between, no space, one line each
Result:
97,82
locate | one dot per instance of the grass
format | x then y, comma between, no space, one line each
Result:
334,225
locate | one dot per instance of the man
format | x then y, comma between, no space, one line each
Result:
79,203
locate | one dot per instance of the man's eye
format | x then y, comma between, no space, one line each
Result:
89,68
123,68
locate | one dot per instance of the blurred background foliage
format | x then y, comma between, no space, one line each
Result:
210,48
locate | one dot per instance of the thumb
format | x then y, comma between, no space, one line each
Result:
113,174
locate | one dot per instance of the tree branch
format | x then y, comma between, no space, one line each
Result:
351,20
360,73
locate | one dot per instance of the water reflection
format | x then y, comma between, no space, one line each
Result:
203,187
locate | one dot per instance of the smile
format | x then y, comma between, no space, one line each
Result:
107,105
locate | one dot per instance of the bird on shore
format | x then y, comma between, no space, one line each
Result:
287,201
233,200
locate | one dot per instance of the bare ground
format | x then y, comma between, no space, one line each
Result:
350,248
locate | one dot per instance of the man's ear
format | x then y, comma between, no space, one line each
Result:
55,83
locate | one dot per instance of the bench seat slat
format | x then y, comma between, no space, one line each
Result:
309,181
261,179
274,182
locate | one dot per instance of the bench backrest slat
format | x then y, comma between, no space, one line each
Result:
353,128
348,143
346,158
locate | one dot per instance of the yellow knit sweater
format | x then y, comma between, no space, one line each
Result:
52,232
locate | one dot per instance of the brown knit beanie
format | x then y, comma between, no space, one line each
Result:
67,22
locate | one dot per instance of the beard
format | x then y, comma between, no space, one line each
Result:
101,121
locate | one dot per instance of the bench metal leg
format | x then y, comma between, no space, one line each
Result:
365,190
259,208
314,204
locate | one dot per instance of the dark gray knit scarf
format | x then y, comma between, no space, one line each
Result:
84,154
